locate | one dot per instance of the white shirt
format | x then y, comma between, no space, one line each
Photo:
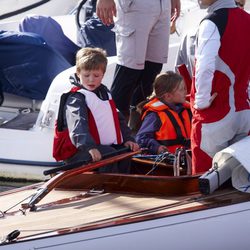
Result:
206,53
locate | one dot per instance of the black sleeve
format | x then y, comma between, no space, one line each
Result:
76,114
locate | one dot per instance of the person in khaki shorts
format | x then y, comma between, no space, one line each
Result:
142,30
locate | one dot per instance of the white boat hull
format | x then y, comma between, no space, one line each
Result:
25,154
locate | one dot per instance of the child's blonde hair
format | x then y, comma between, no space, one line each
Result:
91,59
166,83
163,83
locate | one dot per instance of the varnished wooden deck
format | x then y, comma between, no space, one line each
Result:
64,209
59,213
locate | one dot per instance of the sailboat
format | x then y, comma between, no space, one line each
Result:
83,209
35,81
152,207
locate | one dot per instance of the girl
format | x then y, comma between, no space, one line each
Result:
166,117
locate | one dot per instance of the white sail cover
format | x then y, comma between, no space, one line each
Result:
236,159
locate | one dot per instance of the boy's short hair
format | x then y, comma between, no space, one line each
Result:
91,59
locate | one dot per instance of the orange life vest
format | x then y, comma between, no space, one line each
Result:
175,127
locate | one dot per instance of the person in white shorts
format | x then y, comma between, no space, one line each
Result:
142,30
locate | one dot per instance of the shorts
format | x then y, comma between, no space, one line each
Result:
142,30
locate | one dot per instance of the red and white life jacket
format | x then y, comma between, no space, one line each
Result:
103,124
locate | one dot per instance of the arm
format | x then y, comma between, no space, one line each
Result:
77,123
182,53
207,51
106,10
175,9
146,134
186,52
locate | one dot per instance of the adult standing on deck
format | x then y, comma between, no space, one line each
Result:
142,37
219,99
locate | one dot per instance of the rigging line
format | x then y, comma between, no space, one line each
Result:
157,161
24,9
50,205
4,212
65,201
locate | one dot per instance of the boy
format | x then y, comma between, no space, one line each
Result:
90,119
